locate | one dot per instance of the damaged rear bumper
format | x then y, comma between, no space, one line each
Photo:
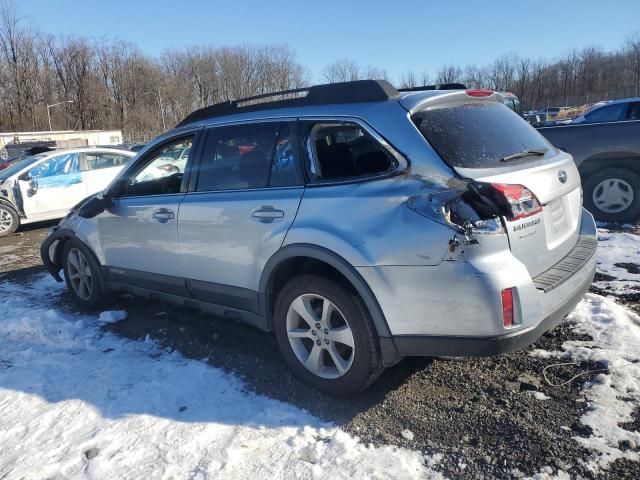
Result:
428,345
557,292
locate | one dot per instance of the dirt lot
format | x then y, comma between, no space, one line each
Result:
478,413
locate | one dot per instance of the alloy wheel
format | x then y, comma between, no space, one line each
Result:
6,220
320,336
79,274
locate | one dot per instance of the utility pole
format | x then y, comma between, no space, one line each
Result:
53,105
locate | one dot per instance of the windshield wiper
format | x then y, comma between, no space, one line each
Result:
538,152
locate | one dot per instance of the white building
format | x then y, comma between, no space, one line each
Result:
63,139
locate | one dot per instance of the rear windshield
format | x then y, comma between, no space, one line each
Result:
480,135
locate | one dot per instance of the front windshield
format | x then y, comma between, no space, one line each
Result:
18,166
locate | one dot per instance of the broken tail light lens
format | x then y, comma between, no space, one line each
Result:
522,201
507,307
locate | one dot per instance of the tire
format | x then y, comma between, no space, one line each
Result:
618,179
9,220
91,295
359,365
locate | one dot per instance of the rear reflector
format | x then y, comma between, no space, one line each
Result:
522,201
480,93
507,307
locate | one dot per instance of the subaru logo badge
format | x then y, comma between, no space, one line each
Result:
562,176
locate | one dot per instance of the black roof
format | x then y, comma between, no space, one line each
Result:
358,91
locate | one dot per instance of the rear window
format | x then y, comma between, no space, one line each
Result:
480,135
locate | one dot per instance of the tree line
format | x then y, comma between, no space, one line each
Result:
579,77
113,84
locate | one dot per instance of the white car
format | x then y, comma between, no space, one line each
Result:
172,161
46,186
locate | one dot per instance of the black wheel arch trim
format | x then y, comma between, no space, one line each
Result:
9,204
332,259
54,266
595,164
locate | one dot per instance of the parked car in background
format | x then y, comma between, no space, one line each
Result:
6,163
45,186
536,119
513,102
605,144
615,111
136,147
360,223
551,112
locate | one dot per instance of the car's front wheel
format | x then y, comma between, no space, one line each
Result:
82,275
326,335
9,220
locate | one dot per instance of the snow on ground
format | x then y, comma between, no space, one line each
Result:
618,248
615,331
76,402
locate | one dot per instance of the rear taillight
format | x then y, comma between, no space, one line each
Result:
479,93
507,307
522,201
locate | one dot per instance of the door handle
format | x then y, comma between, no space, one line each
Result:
163,215
267,213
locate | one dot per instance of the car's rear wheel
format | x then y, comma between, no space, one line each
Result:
613,195
82,275
326,335
9,220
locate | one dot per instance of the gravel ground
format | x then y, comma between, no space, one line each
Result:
480,414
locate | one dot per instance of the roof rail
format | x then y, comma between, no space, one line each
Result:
358,91
438,86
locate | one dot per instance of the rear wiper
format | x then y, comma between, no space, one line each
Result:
525,153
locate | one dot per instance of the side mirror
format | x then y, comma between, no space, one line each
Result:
94,206
33,187
116,189
25,177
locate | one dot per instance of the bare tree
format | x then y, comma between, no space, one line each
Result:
449,74
115,85
633,48
341,71
408,80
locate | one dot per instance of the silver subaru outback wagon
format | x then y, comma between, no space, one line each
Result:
360,223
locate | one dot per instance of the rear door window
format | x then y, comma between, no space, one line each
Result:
480,135
249,156
344,151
